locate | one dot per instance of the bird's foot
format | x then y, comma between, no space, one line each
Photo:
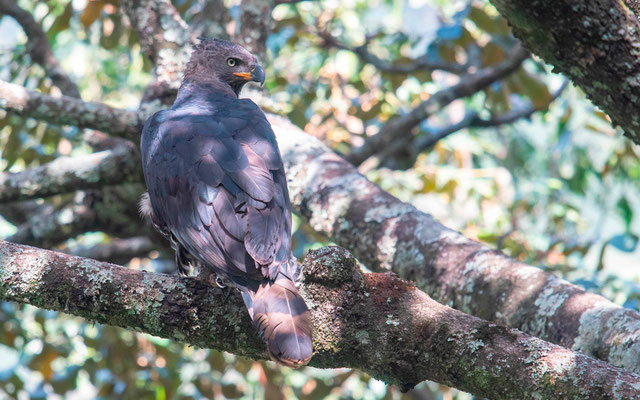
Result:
220,283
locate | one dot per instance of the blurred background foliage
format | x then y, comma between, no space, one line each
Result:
558,190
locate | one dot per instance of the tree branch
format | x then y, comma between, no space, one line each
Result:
473,120
39,48
254,25
67,174
399,128
374,322
70,111
164,38
595,43
398,150
362,51
112,210
387,234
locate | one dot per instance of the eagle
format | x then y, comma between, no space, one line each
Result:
217,190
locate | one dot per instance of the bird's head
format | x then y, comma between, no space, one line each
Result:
222,61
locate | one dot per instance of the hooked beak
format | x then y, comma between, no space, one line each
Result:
256,75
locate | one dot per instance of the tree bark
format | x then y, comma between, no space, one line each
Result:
389,235
66,174
69,111
371,321
596,43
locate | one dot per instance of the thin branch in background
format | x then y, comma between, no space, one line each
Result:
473,120
400,128
39,48
19,212
57,224
362,51
111,209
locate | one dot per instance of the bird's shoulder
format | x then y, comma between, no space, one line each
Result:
223,126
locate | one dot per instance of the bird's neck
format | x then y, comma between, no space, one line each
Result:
202,94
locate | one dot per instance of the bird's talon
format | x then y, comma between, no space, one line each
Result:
220,283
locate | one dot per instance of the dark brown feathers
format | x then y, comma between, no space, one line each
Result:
218,191
282,319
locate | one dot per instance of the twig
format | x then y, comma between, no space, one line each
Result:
399,128
473,120
39,48
362,51
116,251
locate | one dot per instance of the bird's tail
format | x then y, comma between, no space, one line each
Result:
282,318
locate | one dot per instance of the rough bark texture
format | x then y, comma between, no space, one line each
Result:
66,174
596,43
374,322
69,111
164,37
387,234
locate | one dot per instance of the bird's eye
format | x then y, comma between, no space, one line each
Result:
232,62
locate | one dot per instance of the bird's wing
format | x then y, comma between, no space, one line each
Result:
217,182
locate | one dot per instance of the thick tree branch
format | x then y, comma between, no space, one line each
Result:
70,111
399,128
164,38
374,322
211,20
39,48
67,174
254,25
387,234
595,43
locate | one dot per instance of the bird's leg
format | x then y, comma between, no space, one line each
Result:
220,282
184,260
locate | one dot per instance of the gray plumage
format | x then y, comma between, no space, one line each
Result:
217,190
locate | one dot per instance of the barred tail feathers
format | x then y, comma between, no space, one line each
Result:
282,319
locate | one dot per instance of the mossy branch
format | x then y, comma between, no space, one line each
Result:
596,43
67,174
388,234
374,322
66,110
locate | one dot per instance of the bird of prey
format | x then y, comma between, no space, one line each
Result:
217,190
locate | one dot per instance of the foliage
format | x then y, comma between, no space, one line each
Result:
559,190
